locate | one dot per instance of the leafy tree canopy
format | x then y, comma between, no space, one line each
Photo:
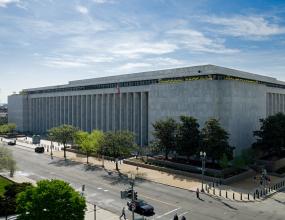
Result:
7,128
89,143
165,132
118,144
7,161
188,138
215,140
271,136
51,199
63,134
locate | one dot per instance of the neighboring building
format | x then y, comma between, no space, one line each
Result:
135,101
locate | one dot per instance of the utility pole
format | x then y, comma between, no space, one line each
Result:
94,211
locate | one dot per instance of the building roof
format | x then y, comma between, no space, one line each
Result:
167,73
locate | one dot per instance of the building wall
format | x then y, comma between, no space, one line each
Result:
106,110
17,107
238,105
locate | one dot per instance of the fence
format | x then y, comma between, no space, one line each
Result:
257,194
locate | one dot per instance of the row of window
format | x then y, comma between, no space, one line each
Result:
154,81
99,86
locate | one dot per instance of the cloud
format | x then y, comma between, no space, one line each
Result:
133,66
4,3
81,9
136,48
69,61
102,1
253,27
198,42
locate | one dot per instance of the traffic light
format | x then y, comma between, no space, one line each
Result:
135,195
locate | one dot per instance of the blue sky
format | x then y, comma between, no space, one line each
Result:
49,42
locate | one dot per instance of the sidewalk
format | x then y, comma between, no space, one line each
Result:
101,214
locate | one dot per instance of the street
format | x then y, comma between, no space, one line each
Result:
103,190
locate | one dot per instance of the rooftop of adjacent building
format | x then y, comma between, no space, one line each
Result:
202,70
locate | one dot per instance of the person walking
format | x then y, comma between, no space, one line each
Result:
197,193
175,217
183,218
123,214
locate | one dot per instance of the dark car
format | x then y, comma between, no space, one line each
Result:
12,142
39,149
142,208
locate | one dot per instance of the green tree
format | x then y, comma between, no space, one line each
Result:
164,133
7,128
89,143
7,161
224,162
63,134
51,199
215,140
188,137
118,144
8,201
3,120
271,136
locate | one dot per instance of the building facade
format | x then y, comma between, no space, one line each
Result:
135,101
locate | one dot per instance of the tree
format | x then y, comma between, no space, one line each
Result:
51,199
118,144
224,162
271,136
165,135
63,134
188,137
3,120
215,140
7,128
89,143
8,201
7,161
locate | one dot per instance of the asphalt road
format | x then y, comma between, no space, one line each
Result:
104,190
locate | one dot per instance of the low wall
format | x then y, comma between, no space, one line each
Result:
193,175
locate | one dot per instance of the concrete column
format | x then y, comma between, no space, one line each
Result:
99,112
74,111
78,112
45,114
93,112
108,110
88,113
33,115
83,112
58,104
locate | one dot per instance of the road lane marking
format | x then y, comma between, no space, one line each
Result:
99,188
105,190
167,213
157,200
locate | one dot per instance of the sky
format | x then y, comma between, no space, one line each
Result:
51,42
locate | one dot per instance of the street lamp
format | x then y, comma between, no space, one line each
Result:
51,147
132,178
203,159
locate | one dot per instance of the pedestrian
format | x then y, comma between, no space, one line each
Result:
175,217
197,193
183,218
123,213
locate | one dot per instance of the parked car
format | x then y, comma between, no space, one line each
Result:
13,142
142,208
39,149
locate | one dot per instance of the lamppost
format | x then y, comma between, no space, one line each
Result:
132,178
51,147
203,159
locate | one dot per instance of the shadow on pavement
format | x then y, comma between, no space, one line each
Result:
62,163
